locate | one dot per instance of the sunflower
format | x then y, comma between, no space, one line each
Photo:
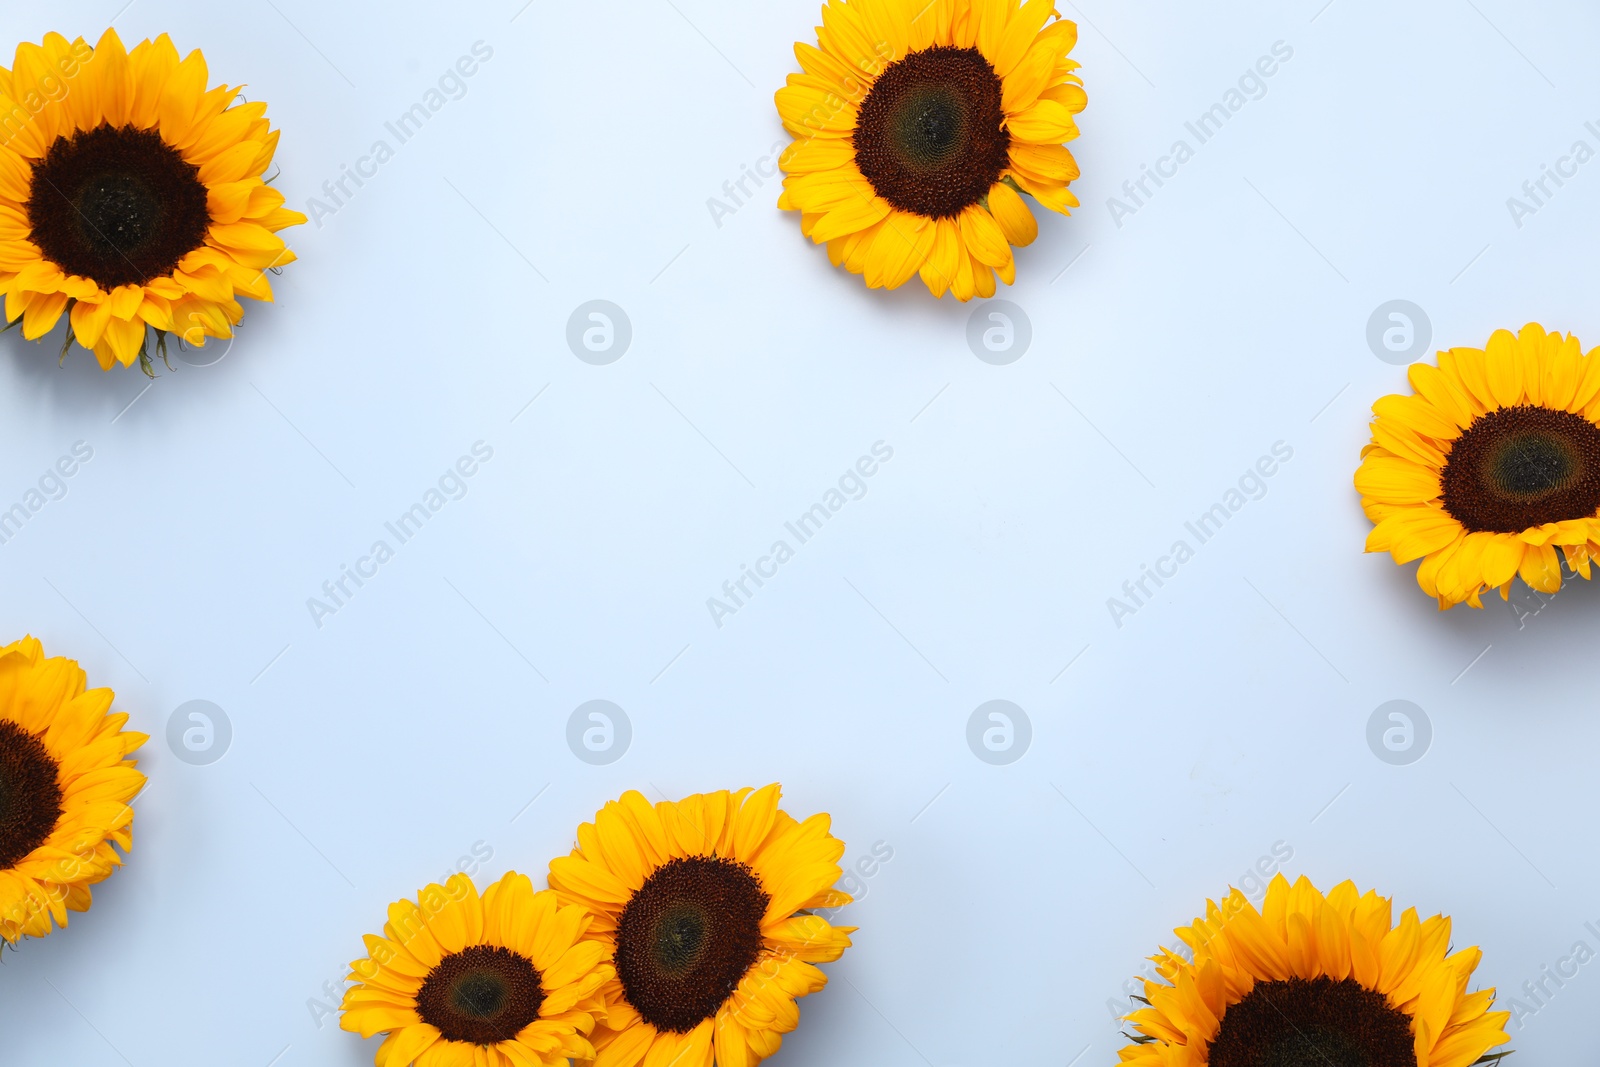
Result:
1490,467
1314,979
704,907
131,196
918,124
459,980
65,784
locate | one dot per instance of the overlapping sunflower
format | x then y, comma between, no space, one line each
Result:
505,979
919,125
65,786
132,197
1313,979
1490,468
705,908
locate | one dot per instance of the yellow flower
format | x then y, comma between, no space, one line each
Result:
65,784
1314,979
918,124
1490,467
704,906
131,196
459,980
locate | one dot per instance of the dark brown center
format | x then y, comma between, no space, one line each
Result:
1521,467
30,795
929,136
116,205
1318,1022
687,937
481,995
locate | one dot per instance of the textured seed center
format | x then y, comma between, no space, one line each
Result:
928,136
116,205
481,995
1521,467
30,794
1313,1023
687,937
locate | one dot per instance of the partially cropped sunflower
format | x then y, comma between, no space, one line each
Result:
65,787
918,124
131,196
459,980
1490,467
1315,980
704,906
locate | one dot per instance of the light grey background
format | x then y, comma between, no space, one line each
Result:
1229,715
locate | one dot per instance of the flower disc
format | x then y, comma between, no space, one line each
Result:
1521,467
482,994
687,937
30,796
117,206
1295,1022
929,136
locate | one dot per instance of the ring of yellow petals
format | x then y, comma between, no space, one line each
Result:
1299,933
1399,476
839,207
446,919
61,87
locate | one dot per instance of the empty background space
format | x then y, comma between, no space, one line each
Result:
1178,336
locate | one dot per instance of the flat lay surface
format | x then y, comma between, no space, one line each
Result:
564,464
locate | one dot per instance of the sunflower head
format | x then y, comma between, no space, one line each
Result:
1314,979
65,787
1489,467
505,979
705,908
132,197
919,124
